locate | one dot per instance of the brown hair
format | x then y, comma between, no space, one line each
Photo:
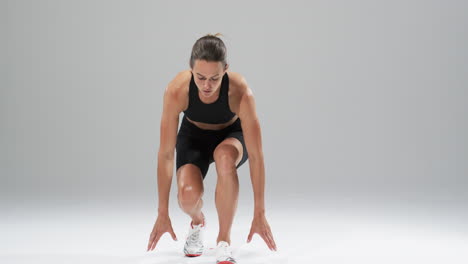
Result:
210,48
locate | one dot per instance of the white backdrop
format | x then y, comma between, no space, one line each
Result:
362,104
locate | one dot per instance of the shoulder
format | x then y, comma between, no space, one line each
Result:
179,82
241,94
238,84
177,89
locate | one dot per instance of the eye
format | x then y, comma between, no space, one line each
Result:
202,79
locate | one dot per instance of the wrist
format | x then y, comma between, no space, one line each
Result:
259,212
163,212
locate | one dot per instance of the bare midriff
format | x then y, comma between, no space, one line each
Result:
213,126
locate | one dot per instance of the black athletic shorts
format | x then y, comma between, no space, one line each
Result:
195,145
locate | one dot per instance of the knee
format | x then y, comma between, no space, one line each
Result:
225,158
190,185
188,195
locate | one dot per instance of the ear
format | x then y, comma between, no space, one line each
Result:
226,67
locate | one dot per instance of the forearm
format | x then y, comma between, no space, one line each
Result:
257,176
165,168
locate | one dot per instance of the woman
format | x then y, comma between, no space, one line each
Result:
214,102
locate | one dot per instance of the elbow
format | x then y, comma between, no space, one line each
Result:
255,157
166,155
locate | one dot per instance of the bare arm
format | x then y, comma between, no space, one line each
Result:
168,137
253,140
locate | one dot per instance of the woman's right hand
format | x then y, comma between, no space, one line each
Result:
162,225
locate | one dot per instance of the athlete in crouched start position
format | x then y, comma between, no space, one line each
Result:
214,102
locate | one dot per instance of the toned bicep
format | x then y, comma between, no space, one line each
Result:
169,125
251,126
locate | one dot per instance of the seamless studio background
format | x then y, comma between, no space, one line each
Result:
363,108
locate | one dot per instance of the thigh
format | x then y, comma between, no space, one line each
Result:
189,150
240,138
231,147
231,138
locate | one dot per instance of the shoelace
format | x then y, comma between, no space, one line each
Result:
224,252
194,237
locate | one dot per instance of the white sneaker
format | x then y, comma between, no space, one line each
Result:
224,253
194,245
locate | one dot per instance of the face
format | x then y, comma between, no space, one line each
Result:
208,76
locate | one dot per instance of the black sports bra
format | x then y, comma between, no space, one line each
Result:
217,112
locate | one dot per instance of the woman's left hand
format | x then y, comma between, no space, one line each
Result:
262,228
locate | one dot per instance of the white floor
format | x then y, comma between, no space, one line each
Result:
310,233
